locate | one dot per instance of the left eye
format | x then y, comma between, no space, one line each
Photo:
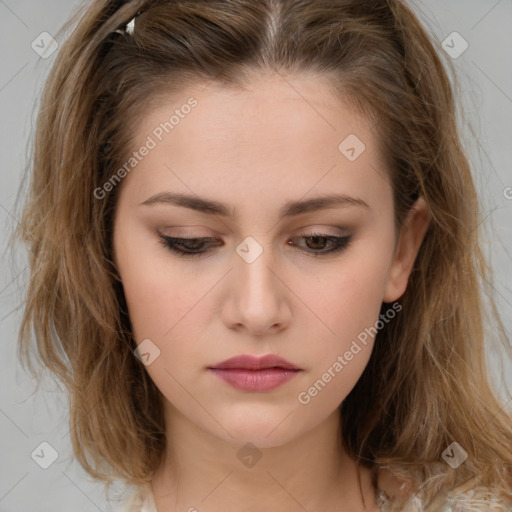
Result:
193,247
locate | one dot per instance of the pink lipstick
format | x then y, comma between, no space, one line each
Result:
256,374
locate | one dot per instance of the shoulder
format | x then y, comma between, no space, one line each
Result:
468,497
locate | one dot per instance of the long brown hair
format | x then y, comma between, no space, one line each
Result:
426,385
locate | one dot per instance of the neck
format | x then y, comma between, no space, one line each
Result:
206,473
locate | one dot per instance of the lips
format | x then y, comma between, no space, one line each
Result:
255,374
246,362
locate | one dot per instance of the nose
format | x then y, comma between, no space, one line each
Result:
258,298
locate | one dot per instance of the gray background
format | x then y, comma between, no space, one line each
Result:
27,420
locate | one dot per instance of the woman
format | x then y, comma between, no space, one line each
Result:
256,262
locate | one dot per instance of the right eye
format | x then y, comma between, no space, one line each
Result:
192,246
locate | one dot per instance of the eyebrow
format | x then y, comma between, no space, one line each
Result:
290,209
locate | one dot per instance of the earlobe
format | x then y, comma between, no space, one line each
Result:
412,234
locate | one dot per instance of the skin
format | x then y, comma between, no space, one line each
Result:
254,150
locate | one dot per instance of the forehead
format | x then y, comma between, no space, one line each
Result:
272,108
277,136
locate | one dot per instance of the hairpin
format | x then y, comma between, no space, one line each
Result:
129,27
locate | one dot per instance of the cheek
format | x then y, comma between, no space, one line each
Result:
347,296
163,307
160,304
157,290
347,303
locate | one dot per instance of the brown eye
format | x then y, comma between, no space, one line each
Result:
316,243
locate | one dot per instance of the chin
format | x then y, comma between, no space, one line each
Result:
263,430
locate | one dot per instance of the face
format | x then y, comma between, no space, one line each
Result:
304,282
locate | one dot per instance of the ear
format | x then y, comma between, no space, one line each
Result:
412,234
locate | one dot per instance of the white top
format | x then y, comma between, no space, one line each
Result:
465,498
141,500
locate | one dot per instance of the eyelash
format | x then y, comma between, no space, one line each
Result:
171,243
